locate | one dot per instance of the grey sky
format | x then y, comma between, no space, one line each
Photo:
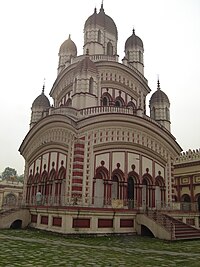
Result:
32,32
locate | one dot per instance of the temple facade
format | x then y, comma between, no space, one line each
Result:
94,158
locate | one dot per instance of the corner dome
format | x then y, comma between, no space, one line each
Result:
85,65
133,40
102,20
41,101
68,47
159,96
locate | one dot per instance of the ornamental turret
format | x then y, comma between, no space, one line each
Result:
134,52
160,107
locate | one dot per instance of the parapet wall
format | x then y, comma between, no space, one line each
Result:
188,156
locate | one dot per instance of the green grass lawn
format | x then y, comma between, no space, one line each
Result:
37,248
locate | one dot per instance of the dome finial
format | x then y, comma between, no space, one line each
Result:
43,87
158,84
101,9
69,37
133,31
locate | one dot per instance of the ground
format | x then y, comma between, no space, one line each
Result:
38,249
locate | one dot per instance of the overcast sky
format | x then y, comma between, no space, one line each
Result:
33,30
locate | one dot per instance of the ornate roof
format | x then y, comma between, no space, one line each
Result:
102,20
133,40
68,47
41,101
159,96
85,65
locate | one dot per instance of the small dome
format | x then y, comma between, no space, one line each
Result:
41,101
159,96
102,20
68,47
85,65
133,40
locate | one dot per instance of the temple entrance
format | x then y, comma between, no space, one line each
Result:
145,195
130,193
186,202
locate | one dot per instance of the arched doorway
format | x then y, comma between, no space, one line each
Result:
17,224
186,202
130,192
10,200
145,194
159,192
198,202
101,192
115,187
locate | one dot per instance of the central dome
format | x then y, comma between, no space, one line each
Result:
102,20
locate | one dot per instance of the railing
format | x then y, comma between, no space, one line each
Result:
97,202
64,111
76,114
163,220
6,206
106,109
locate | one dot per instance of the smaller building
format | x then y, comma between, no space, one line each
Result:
187,180
10,193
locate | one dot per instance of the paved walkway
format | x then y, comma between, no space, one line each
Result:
38,250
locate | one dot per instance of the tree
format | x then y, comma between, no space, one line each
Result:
8,172
20,178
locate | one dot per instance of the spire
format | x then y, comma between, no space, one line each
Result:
158,84
102,9
43,87
95,10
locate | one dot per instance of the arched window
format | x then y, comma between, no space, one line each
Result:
153,113
132,106
69,102
119,102
86,36
109,49
99,36
105,101
167,113
91,85
10,200
140,56
75,85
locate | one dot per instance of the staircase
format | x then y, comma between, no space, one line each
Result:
8,217
183,230
179,230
